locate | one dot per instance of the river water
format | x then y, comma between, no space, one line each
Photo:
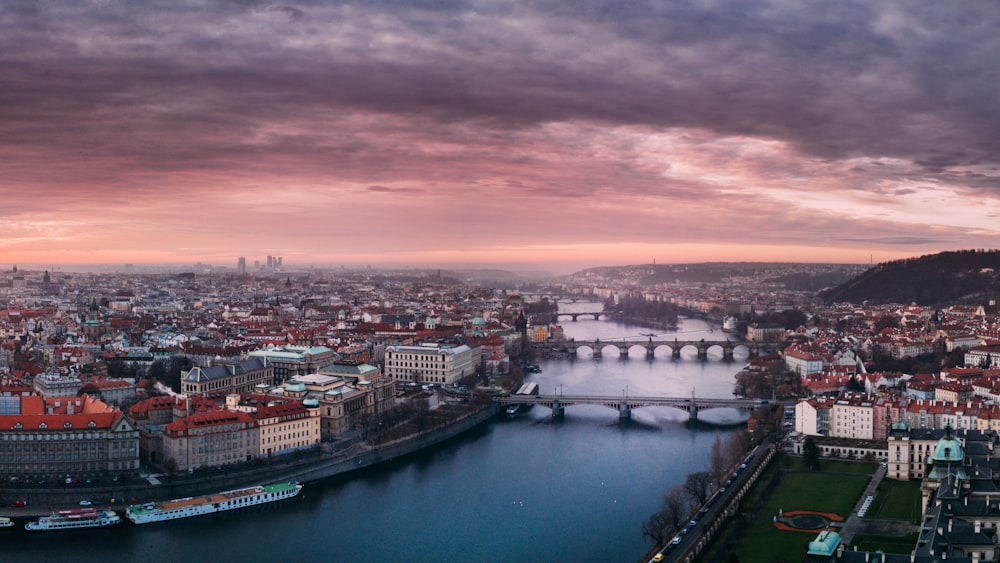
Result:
525,489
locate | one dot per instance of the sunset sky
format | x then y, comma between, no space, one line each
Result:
542,134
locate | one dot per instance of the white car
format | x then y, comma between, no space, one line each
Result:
85,503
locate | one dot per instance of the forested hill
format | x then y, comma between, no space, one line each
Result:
949,277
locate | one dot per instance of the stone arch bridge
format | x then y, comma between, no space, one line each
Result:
597,346
624,405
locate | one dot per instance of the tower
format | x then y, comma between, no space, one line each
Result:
241,266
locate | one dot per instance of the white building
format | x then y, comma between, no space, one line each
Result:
430,363
852,416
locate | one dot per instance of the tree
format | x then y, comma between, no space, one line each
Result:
698,485
718,465
810,453
675,507
656,528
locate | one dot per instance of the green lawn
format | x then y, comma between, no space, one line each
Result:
897,500
833,465
819,491
894,544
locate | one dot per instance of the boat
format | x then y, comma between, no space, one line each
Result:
74,519
218,502
6,522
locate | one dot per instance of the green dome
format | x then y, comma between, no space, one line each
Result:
948,449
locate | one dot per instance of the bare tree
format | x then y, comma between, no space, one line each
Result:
718,464
656,528
737,445
675,507
698,485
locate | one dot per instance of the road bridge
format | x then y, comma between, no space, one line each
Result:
702,347
625,404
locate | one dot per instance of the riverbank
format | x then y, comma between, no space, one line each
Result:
304,468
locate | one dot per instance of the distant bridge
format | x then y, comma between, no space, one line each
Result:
624,405
595,314
701,346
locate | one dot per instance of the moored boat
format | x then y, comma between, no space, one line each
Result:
74,519
5,522
218,502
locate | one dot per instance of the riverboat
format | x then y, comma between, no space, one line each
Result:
74,519
6,522
219,502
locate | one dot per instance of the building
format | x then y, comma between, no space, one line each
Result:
431,363
240,377
62,437
284,425
55,385
288,361
802,361
765,332
345,403
852,416
210,439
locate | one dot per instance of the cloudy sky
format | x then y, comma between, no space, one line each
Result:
558,134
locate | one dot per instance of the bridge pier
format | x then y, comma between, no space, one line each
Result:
624,412
727,353
597,353
702,352
677,353
693,411
623,352
650,354
558,411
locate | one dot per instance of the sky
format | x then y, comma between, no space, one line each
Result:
532,133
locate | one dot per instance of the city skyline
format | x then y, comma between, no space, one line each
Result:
529,135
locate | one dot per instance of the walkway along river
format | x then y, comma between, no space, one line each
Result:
526,489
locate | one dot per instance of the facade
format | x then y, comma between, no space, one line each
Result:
55,385
284,425
240,377
210,439
765,332
983,356
430,363
812,416
852,416
54,438
343,404
803,362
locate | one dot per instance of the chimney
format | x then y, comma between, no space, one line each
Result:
949,524
977,527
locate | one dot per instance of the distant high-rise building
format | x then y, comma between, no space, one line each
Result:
241,265
280,260
270,262
256,265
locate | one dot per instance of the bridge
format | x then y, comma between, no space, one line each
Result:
624,405
702,346
595,314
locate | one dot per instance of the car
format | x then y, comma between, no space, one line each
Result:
657,558
675,541
19,503
85,503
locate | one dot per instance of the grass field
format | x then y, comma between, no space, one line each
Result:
896,544
819,491
897,500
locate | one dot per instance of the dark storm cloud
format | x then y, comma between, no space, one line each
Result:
911,81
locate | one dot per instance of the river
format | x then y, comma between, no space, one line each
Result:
526,489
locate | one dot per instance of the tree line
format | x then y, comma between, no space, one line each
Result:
681,500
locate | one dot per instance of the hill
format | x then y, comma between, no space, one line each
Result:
965,276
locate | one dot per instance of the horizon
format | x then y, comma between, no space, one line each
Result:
431,134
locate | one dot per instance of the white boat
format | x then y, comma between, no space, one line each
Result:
196,506
5,522
74,519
